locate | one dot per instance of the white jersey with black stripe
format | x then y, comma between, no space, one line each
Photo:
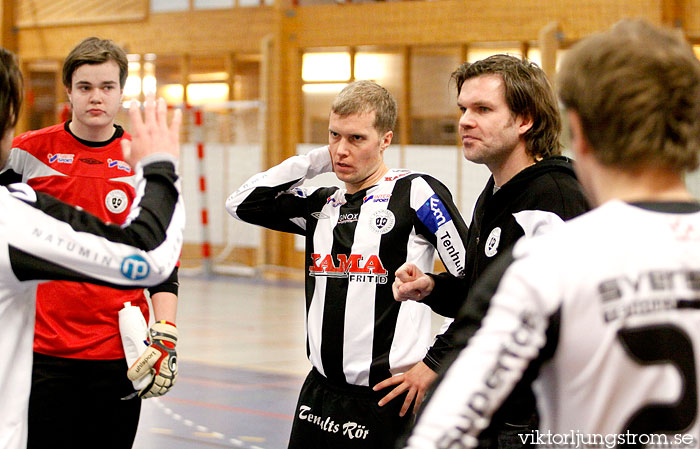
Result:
356,332
45,239
603,315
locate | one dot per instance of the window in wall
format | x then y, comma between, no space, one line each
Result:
325,67
434,112
252,3
535,56
132,88
207,80
326,71
142,77
169,79
169,5
213,4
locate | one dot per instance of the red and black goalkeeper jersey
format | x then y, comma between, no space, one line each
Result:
78,320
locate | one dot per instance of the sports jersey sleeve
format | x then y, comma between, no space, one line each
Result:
171,285
51,240
13,169
503,350
438,220
273,198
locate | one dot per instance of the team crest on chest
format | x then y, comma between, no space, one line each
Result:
491,247
382,221
116,201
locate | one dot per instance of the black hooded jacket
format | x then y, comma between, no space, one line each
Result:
524,204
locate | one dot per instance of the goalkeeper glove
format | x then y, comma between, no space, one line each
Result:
159,359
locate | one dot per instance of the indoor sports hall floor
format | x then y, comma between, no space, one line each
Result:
242,360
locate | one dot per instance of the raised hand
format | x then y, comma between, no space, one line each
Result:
151,134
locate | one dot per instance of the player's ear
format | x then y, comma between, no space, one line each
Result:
579,142
525,122
386,140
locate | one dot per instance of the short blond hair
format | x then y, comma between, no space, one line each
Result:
636,88
366,96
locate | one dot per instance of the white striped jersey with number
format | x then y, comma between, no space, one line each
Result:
608,304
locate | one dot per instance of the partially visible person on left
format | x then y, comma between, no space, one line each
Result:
42,238
80,162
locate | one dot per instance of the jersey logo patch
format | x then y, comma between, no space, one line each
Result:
61,158
120,165
382,221
334,202
348,218
349,267
116,201
135,268
90,160
379,198
319,215
492,242
395,177
433,214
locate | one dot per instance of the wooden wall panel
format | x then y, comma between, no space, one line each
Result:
691,19
451,21
34,13
196,32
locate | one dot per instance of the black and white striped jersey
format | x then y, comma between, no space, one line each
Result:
356,332
45,239
602,316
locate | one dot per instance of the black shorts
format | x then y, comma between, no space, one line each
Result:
340,416
78,403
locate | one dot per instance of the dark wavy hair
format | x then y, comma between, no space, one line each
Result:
528,94
10,90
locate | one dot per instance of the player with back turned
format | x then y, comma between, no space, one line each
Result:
601,315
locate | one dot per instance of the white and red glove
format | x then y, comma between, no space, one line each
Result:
159,359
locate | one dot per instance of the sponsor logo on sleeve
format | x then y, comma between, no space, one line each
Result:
334,202
448,242
61,158
433,214
119,165
116,201
494,238
135,268
61,243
